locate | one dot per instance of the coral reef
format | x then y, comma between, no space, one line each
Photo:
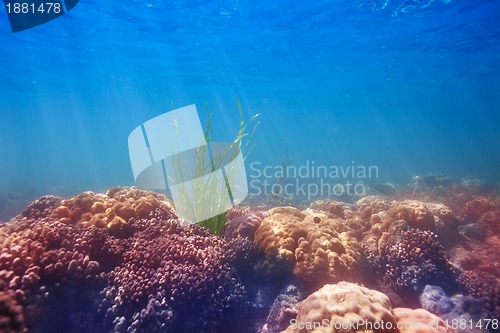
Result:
347,307
490,221
42,257
11,313
485,287
124,262
334,208
474,209
370,205
435,300
317,248
479,256
443,213
452,192
238,211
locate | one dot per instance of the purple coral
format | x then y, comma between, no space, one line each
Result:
244,226
414,258
170,273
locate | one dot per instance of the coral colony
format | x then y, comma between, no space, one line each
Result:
424,259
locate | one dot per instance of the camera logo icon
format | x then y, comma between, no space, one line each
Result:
204,179
26,14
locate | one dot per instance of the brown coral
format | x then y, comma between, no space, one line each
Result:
40,258
347,306
490,221
318,248
334,208
415,213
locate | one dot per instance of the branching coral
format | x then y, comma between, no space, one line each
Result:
185,273
414,258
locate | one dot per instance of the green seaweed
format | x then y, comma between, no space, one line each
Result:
207,186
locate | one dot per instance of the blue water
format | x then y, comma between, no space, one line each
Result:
411,87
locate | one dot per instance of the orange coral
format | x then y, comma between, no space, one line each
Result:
114,209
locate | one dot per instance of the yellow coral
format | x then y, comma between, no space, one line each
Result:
317,247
